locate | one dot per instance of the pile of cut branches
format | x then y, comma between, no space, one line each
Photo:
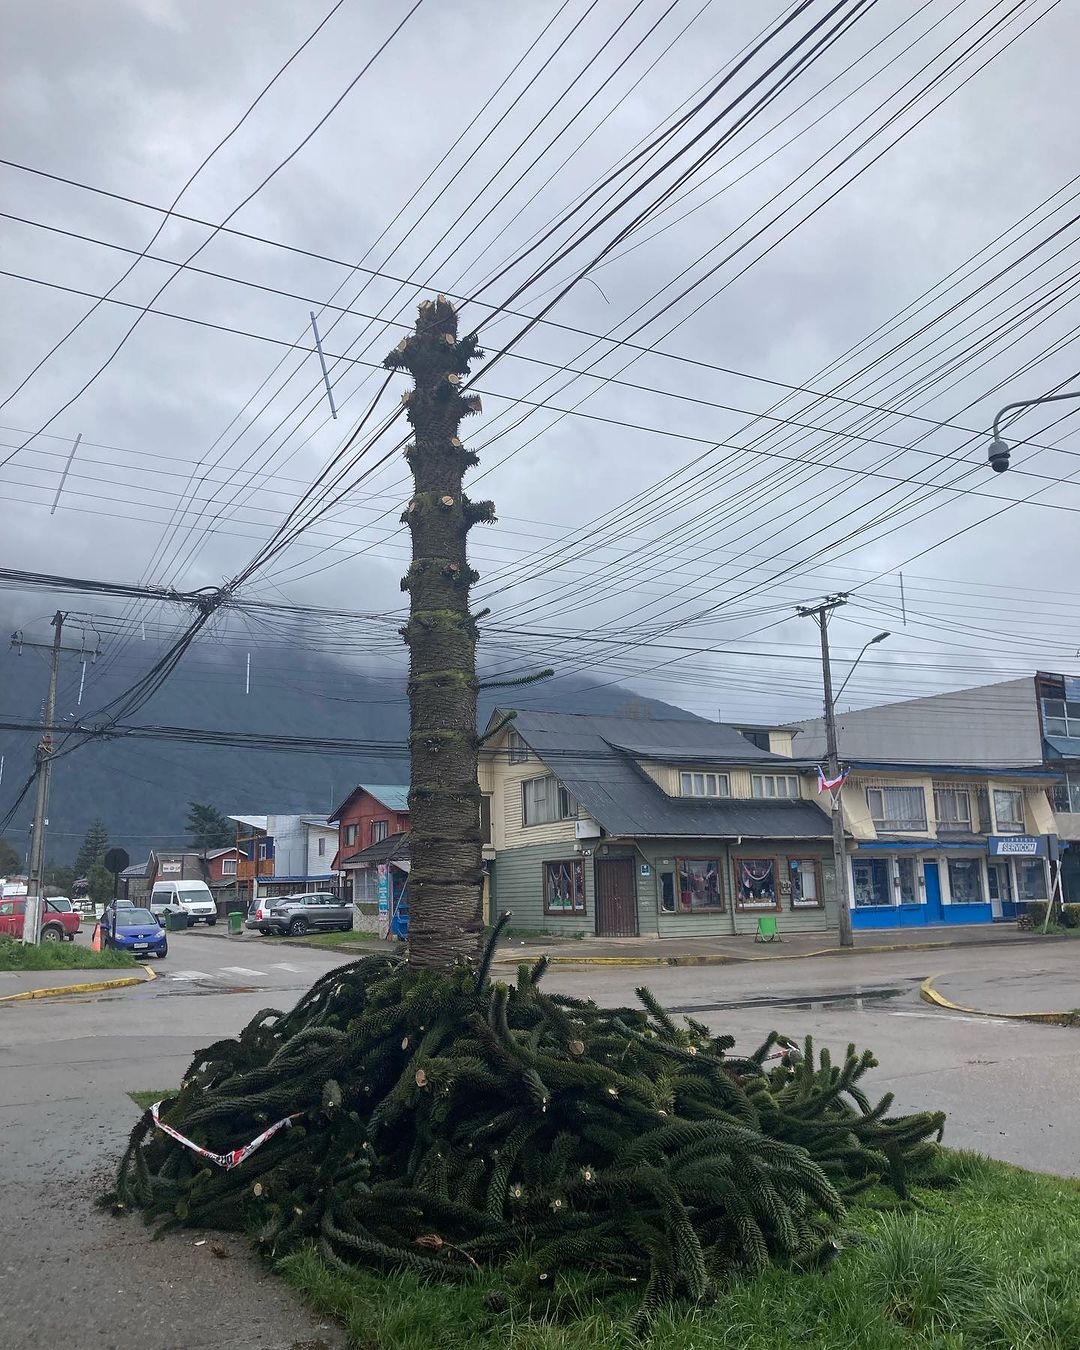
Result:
445,1122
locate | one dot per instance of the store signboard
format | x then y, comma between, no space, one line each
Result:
1017,845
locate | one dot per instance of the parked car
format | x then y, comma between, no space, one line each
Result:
60,904
134,930
193,898
56,924
298,914
253,919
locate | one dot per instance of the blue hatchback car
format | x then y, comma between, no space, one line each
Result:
134,930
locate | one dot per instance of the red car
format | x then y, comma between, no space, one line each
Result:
56,924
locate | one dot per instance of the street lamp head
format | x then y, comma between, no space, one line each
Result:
880,638
998,455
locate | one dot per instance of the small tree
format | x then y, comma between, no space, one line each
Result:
60,877
208,828
99,881
93,848
10,859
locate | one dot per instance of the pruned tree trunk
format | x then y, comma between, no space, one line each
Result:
446,919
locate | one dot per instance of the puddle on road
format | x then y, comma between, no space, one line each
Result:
847,1000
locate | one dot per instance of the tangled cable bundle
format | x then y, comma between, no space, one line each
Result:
448,1122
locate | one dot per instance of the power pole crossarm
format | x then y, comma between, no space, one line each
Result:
36,879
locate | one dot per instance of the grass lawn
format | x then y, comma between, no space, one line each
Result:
340,940
990,1264
59,956
144,1100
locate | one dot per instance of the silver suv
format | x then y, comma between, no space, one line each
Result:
298,914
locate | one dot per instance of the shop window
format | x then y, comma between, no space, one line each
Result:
897,808
365,886
774,785
700,885
756,884
350,835
703,784
544,800
805,877
380,830
564,887
1008,810
519,751
965,881
1030,879
871,882
952,806
906,881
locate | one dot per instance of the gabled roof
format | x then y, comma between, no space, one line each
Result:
252,822
394,796
594,759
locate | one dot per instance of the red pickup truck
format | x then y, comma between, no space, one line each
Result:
56,924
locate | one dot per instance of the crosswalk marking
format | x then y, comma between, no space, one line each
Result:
241,970
188,975
284,965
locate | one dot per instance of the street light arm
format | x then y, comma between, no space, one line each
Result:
1030,403
878,637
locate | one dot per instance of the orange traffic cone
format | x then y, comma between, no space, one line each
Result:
95,941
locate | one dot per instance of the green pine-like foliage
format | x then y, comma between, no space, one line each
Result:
451,1122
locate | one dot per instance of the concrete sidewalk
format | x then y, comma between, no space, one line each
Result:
1051,994
27,984
649,951
688,951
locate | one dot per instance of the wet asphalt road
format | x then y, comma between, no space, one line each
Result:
1010,1090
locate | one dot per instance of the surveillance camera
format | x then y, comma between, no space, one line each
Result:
998,456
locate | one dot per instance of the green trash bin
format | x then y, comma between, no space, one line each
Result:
175,920
236,923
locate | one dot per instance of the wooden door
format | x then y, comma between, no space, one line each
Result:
616,898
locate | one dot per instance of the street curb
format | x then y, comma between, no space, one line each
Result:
90,987
720,959
929,994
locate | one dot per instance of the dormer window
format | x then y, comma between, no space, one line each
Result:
703,785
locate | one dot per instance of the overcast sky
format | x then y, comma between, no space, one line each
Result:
658,535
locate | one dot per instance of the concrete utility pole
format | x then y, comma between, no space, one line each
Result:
820,615
36,878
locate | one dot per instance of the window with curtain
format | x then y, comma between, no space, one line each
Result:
701,886
564,887
897,808
380,830
519,751
774,785
350,835
544,800
1008,810
952,806
756,883
703,784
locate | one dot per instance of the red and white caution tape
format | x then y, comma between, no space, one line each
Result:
235,1156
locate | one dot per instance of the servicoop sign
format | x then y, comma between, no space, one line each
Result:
1017,846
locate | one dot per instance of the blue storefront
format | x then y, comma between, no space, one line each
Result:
936,882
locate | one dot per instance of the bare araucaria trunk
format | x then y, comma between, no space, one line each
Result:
446,863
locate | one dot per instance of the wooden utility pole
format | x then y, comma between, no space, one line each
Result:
820,615
35,889
446,920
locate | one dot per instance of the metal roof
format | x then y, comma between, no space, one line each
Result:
394,796
252,822
593,757
394,847
1065,747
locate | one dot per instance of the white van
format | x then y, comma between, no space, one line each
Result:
194,898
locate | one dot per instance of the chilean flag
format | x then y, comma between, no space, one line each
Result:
827,784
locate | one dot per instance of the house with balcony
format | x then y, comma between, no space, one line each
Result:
623,826
953,804
371,825
283,854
